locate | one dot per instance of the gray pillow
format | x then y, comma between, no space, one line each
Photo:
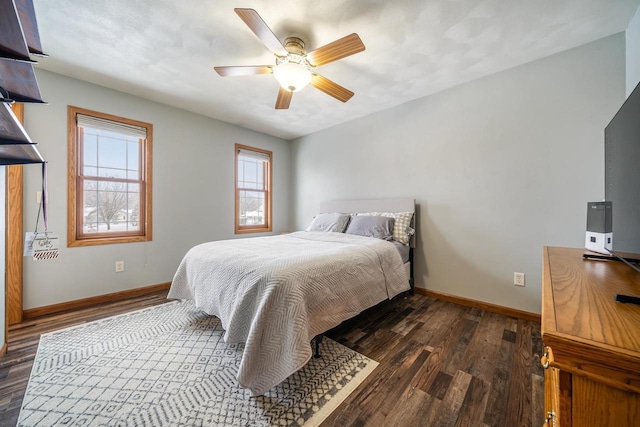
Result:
335,222
380,227
402,228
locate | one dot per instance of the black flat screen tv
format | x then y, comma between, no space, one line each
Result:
622,175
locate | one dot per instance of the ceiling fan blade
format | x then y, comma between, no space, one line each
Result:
338,49
262,30
248,70
284,99
330,88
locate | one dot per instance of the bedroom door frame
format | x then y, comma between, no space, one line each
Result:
13,235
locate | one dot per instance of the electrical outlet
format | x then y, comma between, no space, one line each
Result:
119,266
518,279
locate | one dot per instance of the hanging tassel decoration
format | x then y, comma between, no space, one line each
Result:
45,245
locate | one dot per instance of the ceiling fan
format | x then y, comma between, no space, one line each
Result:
294,67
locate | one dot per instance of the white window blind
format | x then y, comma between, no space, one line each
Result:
111,126
255,155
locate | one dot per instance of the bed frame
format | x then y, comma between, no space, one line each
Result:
372,205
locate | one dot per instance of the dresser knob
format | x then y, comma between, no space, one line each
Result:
550,421
545,361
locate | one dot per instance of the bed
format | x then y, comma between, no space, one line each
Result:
277,293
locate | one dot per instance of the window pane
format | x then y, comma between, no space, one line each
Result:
90,154
133,188
112,158
251,173
133,159
90,207
252,208
260,176
117,156
112,151
133,208
111,206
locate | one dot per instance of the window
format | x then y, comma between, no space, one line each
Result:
109,197
253,189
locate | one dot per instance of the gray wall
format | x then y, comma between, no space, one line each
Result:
633,52
193,198
499,166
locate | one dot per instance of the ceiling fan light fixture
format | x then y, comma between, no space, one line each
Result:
294,67
292,75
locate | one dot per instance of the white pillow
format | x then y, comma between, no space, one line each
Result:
335,222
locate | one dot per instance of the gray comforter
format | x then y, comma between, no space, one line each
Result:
276,293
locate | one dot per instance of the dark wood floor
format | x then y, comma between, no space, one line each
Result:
441,364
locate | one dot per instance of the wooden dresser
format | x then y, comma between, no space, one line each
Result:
592,342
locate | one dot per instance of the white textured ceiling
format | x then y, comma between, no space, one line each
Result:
165,50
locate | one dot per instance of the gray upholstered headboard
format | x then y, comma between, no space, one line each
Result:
372,205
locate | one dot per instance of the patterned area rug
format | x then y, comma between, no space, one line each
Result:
169,366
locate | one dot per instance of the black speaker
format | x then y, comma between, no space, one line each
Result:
599,237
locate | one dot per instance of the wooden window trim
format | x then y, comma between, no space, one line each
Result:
74,212
242,229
